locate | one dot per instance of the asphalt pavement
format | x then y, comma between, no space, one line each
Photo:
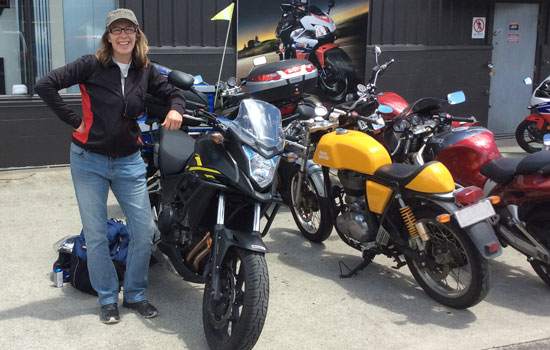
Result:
310,307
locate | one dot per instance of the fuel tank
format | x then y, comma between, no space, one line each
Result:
393,100
463,150
351,150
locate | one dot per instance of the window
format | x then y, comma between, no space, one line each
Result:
40,35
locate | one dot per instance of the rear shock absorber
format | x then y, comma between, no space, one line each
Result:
409,219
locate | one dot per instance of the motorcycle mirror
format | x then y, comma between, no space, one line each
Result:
361,88
385,109
258,61
528,81
330,4
321,111
180,79
377,50
456,97
232,81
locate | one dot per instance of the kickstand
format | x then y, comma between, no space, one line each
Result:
366,261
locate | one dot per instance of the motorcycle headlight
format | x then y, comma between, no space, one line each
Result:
262,170
320,31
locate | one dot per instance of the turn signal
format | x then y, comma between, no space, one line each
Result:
494,199
443,218
217,137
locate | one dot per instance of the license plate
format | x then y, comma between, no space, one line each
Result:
474,213
296,79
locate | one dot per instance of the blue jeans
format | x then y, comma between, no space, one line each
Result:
92,176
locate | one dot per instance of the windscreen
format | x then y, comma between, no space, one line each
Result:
259,125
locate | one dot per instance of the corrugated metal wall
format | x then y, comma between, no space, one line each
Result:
426,22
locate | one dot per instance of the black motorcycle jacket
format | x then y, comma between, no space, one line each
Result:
109,115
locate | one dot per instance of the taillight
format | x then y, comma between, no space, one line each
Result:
468,195
267,77
292,69
310,67
492,248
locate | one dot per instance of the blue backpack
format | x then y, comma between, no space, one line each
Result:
119,238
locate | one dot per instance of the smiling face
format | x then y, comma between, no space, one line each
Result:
123,43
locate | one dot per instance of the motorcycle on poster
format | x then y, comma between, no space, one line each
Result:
330,34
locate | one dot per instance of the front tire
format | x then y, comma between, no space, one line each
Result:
528,136
337,76
312,213
462,276
236,321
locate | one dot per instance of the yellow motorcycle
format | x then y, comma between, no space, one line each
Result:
410,211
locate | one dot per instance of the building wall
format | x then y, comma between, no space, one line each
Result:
431,42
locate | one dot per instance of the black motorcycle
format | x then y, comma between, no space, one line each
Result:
208,197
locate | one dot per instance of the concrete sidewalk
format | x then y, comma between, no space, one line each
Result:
309,306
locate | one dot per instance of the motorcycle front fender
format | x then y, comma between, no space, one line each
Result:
224,239
321,52
482,234
315,173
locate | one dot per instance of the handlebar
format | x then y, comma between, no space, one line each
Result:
464,119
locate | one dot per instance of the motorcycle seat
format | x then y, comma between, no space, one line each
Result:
175,147
399,172
535,163
501,170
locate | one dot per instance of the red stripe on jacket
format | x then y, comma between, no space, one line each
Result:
87,115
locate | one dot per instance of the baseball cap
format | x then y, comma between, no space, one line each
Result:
117,14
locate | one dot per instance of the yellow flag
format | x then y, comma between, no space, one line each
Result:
224,14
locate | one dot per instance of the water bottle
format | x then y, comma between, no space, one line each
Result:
57,276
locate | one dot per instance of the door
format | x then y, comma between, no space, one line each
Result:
514,45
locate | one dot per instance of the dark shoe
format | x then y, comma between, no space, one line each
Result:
144,308
109,314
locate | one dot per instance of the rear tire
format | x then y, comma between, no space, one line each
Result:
538,224
459,283
312,214
236,321
528,136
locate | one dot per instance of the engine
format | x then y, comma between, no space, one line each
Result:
352,221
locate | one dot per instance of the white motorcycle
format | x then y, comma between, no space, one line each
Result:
307,32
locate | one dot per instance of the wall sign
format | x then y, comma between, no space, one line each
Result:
478,28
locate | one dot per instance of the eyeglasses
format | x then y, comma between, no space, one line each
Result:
118,30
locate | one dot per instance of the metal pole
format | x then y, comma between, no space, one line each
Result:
221,67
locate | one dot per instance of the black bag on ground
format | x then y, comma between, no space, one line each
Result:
118,245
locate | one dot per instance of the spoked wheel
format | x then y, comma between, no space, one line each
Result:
337,76
528,136
462,276
236,320
312,213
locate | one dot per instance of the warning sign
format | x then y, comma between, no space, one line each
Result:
478,28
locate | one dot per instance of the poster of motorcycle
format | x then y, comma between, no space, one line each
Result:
331,34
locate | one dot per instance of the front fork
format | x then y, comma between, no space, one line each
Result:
302,173
224,239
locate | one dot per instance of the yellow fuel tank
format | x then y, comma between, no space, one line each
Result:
352,150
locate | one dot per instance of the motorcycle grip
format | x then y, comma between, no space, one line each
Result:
464,119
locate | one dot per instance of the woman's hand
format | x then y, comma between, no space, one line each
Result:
173,120
81,127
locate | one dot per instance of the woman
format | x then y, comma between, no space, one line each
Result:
105,152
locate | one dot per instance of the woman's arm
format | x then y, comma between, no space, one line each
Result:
160,88
49,85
